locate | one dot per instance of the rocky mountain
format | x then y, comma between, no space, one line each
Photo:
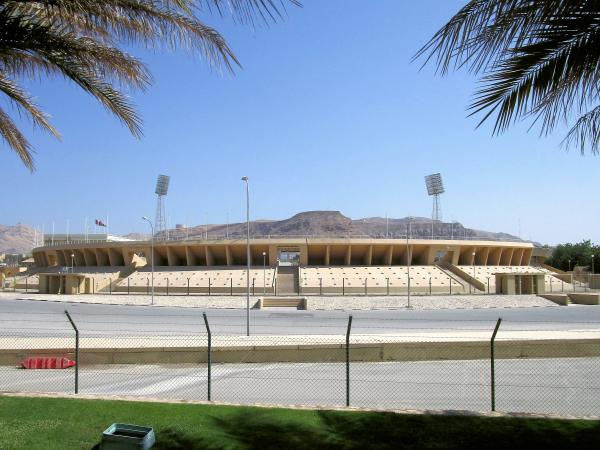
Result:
335,224
16,239
19,238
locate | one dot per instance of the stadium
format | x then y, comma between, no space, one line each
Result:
294,266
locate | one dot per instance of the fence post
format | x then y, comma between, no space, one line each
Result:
127,285
366,287
76,351
93,286
429,285
209,286
450,279
388,286
208,356
188,287
109,286
343,286
320,286
275,288
147,286
348,360
167,286
252,286
488,283
562,285
493,365
15,283
231,286
26,278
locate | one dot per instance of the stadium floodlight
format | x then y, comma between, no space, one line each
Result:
162,185
434,184
435,187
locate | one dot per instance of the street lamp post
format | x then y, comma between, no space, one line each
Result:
151,256
72,262
592,264
473,264
408,258
569,265
245,179
264,273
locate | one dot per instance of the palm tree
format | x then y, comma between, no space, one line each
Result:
80,40
536,59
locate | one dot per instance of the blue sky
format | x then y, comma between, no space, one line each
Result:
328,112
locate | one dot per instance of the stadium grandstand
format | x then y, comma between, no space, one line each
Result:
287,266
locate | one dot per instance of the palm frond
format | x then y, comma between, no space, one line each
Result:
16,140
25,103
537,59
81,39
585,134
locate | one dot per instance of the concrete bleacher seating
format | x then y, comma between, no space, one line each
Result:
217,280
352,280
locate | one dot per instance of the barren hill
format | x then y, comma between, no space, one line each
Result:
335,224
16,239
19,238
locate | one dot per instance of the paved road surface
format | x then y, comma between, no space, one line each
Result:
38,317
558,386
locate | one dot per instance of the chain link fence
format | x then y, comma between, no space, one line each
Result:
513,366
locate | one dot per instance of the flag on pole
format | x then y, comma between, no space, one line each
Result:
100,223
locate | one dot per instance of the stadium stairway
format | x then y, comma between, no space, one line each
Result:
464,278
287,280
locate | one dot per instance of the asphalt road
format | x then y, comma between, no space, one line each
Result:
555,386
39,317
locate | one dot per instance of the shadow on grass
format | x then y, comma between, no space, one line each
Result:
351,430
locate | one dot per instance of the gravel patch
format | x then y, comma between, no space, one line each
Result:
313,302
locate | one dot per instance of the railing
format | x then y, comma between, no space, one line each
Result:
203,238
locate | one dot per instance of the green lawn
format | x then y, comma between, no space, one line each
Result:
48,423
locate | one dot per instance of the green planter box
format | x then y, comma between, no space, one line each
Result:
121,436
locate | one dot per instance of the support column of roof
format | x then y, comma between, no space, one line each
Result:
228,256
210,259
389,254
190,257
526,260
102,257
485,254
326,259
517,257
171,257
368,260
348,257
506,256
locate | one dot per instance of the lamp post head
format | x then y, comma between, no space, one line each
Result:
264,254
245,179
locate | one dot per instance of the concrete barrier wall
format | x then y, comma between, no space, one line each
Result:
368,352
585,298
559,299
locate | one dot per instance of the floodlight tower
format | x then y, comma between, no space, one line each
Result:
160,224
435,187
